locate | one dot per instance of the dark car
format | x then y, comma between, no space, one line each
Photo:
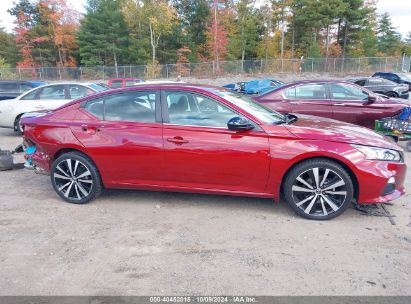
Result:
191,138
383,86
333,99
402,78
10,89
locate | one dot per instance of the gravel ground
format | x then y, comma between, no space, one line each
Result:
150,243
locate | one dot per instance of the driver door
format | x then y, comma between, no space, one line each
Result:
350,104
201,152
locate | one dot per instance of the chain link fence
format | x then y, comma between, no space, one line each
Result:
337,66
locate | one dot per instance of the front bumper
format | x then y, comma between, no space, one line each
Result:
404,95
373,178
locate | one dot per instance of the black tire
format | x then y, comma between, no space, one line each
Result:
17,127
392,138
76,187
321,202
392,94
409,146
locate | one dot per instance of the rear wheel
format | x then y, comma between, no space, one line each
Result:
318,189
17,127
75,178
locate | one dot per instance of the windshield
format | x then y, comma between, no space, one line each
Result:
97,87
259,111
405,76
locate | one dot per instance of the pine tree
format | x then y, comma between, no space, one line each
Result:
103,36
388,39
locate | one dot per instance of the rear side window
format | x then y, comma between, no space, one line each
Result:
311,91
130,106
115,84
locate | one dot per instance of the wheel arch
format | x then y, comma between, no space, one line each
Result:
65,150
336,160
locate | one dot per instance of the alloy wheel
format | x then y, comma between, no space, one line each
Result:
319,192
73,179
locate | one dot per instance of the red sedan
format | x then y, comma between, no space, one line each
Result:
192,138
332,99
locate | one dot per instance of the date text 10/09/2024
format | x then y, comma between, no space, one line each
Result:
199,299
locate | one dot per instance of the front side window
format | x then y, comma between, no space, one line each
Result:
310,91
130,106
347,92
360,82
52,92
375,81
25,88
78,91
191,109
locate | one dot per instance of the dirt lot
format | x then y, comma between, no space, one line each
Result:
148,243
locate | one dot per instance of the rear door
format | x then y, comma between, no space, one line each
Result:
310,99
201,152
122,132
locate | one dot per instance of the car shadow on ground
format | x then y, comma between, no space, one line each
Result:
184,200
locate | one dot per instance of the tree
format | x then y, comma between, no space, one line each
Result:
249,29
8,49
103,35
388,39
216,38
194,17
26,17
62,23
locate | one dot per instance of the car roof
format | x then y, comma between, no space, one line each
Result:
23,81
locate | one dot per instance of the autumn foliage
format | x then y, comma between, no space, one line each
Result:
217,38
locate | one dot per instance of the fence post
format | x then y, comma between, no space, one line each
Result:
104,73
359,64
167,70
19,74
312,65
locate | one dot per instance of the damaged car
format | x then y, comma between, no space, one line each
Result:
203,139
256,86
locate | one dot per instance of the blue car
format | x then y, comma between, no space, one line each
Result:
401,78
10,89
254,86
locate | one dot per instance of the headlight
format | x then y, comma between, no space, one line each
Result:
379,153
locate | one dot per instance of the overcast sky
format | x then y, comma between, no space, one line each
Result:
400,11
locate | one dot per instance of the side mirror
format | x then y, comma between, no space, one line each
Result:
239,124
371,99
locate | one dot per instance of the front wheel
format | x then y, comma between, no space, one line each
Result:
75,178
392,94
318,189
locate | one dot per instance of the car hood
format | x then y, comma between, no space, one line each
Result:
388,101
319,128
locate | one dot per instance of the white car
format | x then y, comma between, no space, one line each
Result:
47,97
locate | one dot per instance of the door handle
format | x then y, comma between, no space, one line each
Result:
39,107
177,140
340,104
295,102
90,130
